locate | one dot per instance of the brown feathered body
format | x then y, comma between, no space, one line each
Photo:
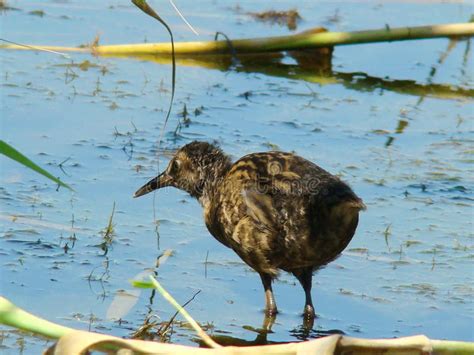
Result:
276,210
279,211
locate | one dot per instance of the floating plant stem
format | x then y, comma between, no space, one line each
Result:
300,41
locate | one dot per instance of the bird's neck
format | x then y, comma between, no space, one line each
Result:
214,176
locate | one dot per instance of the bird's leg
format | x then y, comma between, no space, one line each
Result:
305,278
270,305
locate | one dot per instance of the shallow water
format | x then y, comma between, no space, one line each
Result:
401,137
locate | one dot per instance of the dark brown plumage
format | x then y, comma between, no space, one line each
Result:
276,210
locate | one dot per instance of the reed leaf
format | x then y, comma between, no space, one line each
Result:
13,316
143,5
14,154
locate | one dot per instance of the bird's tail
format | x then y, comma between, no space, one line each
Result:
337,192
356,203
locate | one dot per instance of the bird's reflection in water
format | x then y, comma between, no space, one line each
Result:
303,332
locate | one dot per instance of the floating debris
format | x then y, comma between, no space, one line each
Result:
289,18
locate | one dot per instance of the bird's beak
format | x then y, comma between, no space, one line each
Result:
158,182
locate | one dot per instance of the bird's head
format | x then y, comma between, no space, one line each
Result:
194,168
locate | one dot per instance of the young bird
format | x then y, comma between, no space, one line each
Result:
276,210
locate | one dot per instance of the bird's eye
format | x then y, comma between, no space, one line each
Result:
175,165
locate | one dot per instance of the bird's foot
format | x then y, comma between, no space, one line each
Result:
308,317
309,312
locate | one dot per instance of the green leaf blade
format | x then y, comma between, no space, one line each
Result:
14,154
142,284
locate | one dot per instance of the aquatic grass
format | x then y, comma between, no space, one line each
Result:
153,283
163,329
183,18
143,5
109,230
14,154
387,233
108,233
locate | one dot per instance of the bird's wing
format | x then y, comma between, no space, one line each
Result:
260,208
273,206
